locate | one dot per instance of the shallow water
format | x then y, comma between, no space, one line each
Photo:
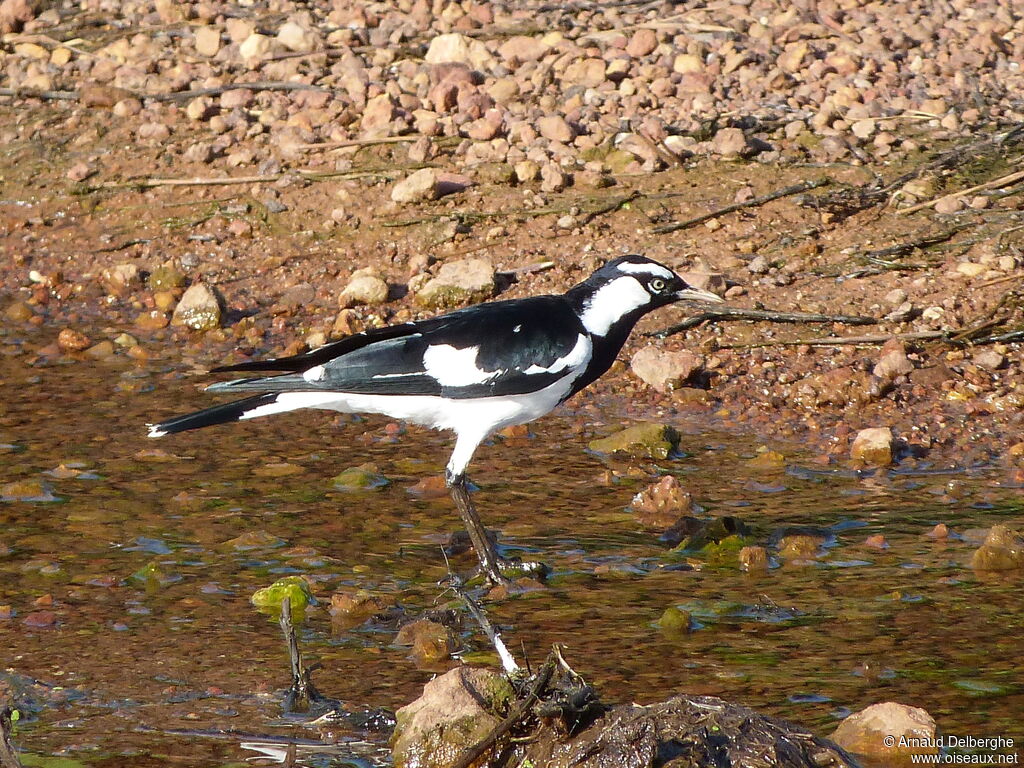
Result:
157,654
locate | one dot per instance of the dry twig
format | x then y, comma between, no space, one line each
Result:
753,202
1002,181
738,313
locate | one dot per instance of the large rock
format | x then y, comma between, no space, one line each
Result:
866,732
456,710
417,187
1003,550
199,309
457,283
684,731
650,440
873,447
662,369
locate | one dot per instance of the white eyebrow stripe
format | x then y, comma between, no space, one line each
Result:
612,302
645,269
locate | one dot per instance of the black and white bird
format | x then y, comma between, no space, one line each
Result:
474,371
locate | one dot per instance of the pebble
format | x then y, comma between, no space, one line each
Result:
662,369
873,447
207,41
457,283
417,187
365,287
71,340
199,308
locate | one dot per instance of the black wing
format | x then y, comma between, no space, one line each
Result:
516,343
323,354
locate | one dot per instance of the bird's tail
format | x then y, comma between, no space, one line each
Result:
218,414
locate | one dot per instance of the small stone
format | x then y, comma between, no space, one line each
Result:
730,143
970,269
431,642
199,309
520,48
648,440
457,283
664,370
873,729
989,359
377,117
255,47
527,171
19,312
80,172
297,38
753,559
873,447
553,178
687,64
207,41
759,265
556,128
367,289
895,297
675,619
589,73
864,129
1003,550
893,361
71,340
416,187
365,477
949,205
661,504
643,42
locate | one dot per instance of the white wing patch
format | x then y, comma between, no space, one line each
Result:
614,301
316,373
577,357
453,367
645,269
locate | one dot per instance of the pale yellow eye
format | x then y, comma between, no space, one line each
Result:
657,285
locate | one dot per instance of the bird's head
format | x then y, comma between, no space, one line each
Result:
625,289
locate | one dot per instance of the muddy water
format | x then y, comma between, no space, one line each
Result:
132,635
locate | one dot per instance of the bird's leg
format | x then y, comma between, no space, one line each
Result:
489,559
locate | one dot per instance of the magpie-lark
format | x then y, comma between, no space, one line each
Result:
473,371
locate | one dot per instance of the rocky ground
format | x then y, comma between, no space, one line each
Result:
203,181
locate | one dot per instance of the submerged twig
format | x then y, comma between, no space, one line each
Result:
753,202
302,695
738,313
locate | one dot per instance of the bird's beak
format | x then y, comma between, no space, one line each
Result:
696,294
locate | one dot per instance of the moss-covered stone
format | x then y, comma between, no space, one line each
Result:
648,440
295,588
455,711
365,477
